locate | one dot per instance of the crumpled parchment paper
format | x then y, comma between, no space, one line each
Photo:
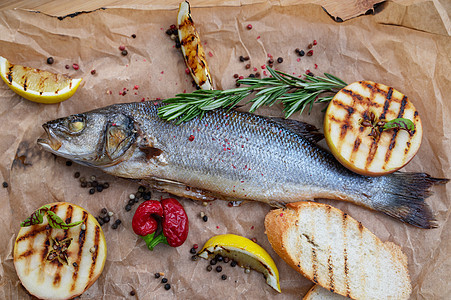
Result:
414,61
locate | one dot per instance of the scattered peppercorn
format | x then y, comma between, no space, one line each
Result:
195,246
224,277
128,207
157,275
122,47
209,268
237,84
118,222
219,269
67,66
301,53
106,185
315,42
75,66
194,257
100,221
249,26
219,257
167,286
192,251
280,60
242,58
84,184
246,58
124,52
50,60
134,36
270,61
236,75
205,218
99,188
233,264
251,76
310,46
297,50
132,293
147,196
5,184
92,191
257,74
310,53
213,262
68,163
141,189
226,260
93,72
106,219
77,174
248,66
164,280
114,226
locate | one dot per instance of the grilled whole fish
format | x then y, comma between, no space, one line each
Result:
230,156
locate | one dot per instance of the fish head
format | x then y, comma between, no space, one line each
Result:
93,138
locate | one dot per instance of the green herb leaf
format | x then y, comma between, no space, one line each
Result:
400,123
294,93
54,221
36,217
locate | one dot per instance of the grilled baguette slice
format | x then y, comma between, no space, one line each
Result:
317,292
192,49
348,133
335,251
48,278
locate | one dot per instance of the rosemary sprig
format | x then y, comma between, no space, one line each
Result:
294,93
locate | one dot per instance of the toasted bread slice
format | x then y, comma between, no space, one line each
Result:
335,251
317,292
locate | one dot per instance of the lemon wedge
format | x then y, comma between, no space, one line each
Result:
246,253
37,85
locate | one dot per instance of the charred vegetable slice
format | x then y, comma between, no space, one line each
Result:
372,129
59,262
192,49
37,85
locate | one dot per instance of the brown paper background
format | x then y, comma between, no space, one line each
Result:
412,60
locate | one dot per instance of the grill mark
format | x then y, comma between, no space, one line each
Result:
68,220
345,256
314,265
96,252
357,143
371,154
31,233
386,103
395,131
81,241
27,253
352,94
406,150
47,243
10,74
331,274
57,279
25,84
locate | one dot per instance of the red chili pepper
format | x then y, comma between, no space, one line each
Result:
175,224
143,223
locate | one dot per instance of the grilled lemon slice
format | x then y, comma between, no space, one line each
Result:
192,49
37,85
348,126
60,263
246,253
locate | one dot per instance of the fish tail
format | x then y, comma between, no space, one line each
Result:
404,195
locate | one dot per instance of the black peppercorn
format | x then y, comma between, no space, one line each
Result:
192,251
301,53
104,211
147,196
92,191
141,189
100,221
164,280
205,218
68,163
157,275
94,183
270,61
106,219
5,184
132,293
77,174
251,75
236,75
213,262
209,268
131,202
219,257
237,84
99,188
114,226
84,184
124,52
134,36
241,58
224,277
106,185
280,60
50,60
128,207
167,286
177,44
297,50
118,222
218,269
233,264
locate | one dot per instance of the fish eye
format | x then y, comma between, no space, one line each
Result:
76,124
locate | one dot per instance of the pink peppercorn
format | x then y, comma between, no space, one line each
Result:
187,71
75,66
310,53
122,47
191,138
314,43
241,77
136,87
249,26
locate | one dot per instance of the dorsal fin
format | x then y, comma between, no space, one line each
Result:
308,131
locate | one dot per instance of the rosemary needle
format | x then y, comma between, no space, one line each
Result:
294,93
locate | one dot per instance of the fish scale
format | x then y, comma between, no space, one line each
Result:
230,155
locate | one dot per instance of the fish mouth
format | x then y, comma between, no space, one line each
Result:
49,140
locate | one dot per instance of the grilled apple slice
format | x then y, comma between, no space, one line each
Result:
192,49
351,122
60,263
